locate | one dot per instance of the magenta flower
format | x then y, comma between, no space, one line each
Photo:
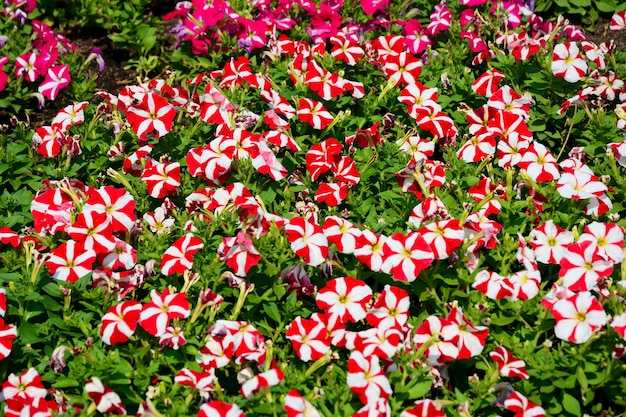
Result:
58,77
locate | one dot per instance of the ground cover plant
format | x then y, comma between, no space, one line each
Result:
336,208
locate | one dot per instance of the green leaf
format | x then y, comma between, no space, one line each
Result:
571,404
272,311
65,382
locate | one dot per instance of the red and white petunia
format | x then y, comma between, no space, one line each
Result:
248,342
526,284
374,408
57,78
417,148
178,258
443,236
308,338
162,179
236,72
522,406
117,203
391,308
23,388
383,342
508,100
424,408
346,298
417,96
582,268
488,83
48,141
369,249
8,333
122,257
550,241
217,351
217,408
493,285
331,193
69,116
239,253
442,337
508,365
618,21
346,50
539,163
212,161
265,379
608,239
107,400
568,62
578,317
307,240
203,381
618,323
214,106
319,159
162,308
345,170
152,114
405,256
326,84
314,113
387,45
471,339
366,378
296,406
341,233
437,123
478,147
94,231
403,68
70,261
119,322
9,237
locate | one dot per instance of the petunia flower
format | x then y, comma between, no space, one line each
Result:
424,408
307,240
57,78
568,62
107,400
578,317
265,379
507,364
178,258
405,256
297,406
308,338
163,307
314,113
217,408
346,298
119,322
70,261
366,378
8,333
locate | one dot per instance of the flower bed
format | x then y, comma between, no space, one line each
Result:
326,209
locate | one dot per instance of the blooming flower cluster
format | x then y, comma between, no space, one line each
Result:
243,229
